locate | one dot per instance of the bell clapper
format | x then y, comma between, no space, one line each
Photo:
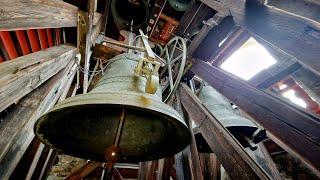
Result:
113,153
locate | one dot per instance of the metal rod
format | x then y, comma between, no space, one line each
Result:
126,46
120,128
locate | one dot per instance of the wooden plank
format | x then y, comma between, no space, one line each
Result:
306,8
231,44
295,35
21,169
309,81
227,149
35,14
193,155
212,41
32,14
207,26
21,76
211,166
16,133
84,41
287,122
84,171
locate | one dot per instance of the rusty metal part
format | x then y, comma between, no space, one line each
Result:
241,128
85,125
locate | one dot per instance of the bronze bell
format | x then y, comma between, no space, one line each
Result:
85,125
243,129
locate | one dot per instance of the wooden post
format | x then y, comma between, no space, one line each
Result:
288,123
228,150
85,29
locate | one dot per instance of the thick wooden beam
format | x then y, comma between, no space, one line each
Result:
231,44
227,149
309,81
84,40
297,129
306,8
295,35
207,26
84,171
20,76
16,133
34,14
210,166
212,41
31,14
193,155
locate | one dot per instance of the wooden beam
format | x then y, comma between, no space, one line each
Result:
84,40
207,26
309,81
210,166
227,149
293,34
288,123
212,41
35,14
231,44
16,133
21,76
84,171
263,158
193,155
306,8
32,14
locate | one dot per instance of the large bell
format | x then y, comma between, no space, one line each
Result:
243,129
85,126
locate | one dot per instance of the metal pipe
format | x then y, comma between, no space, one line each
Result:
23,42
8,44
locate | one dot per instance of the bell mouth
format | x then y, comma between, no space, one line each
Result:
85,126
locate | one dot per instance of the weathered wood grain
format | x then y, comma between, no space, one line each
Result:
16,130
227,149
24,74
297,129
295,35
207,26
31,14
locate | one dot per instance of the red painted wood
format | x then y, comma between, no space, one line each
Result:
33,39
43,38
8,44
57,36
49,37
23,42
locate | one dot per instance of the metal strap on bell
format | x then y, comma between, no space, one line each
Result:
243,129
87,125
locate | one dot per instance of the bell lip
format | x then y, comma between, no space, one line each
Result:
97,98
116,98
